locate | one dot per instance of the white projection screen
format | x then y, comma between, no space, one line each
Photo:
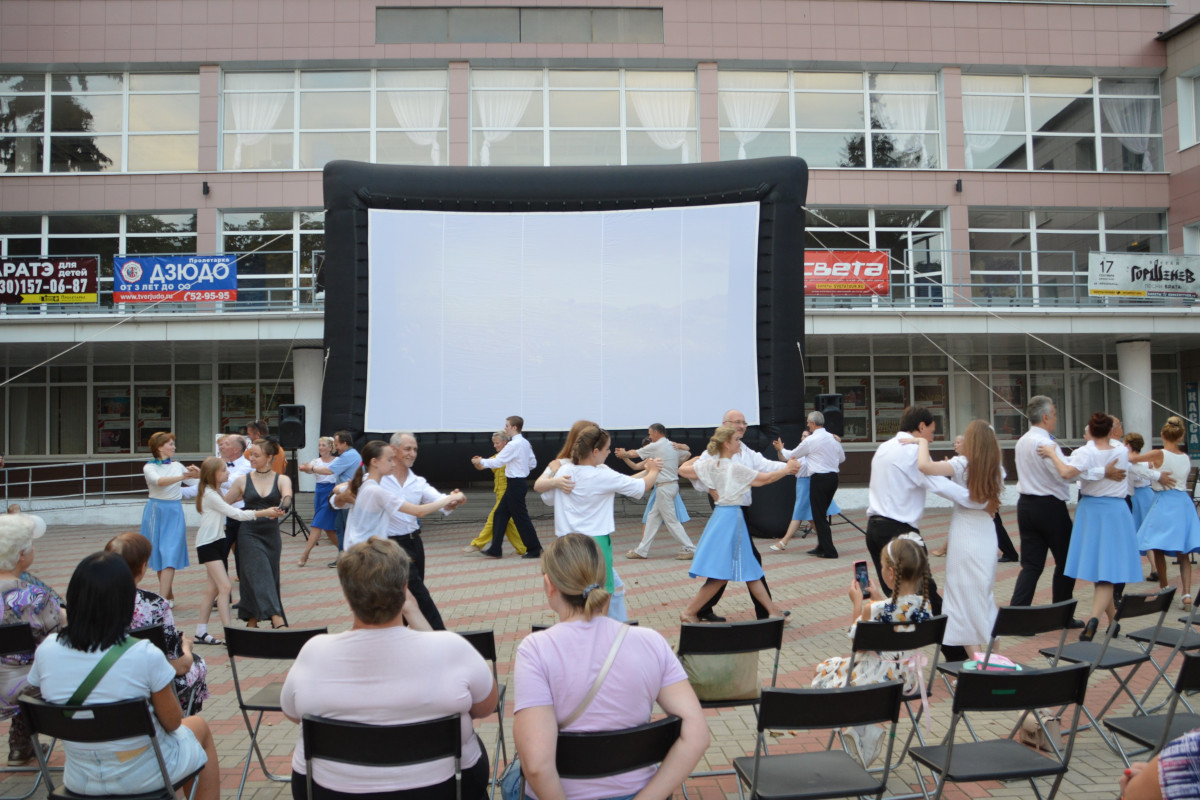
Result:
623,317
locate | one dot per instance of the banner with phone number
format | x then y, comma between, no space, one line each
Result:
50,279
179,279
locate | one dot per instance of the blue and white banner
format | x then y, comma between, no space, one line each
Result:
179,279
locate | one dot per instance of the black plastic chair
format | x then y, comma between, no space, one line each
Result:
382,745
1152,731
157,637
1180,640
827,773
282,644
103,722
603,753
484,643
1005,759
1103,655
17,639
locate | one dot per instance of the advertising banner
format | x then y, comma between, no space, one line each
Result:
1143,275
847,273
1191,399
26,280
179,279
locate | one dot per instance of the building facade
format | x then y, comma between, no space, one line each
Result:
988,147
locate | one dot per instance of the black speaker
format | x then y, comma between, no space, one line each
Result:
291,426
831,406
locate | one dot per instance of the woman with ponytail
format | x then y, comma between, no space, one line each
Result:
556,670
1171,526
1104,547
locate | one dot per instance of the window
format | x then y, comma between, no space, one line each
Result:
285,252
119,122
304,119
572,117
834,119
1062,123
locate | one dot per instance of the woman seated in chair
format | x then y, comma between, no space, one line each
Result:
191,673
390,668
101,598
557,668
22,602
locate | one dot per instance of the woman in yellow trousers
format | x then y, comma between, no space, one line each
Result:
480,542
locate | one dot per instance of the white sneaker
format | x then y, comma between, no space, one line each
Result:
685,555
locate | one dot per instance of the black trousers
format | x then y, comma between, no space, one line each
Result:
760,611
821,489
1045,525
474,787
415,548
880,531
512,506
1003,541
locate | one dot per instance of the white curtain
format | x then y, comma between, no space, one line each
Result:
749,113
907,112
503,109
419,112
257,113
989,114
659,111
1131,118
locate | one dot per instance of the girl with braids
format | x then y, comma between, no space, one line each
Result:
557,669
969,602
1171,525
905,567
1104,546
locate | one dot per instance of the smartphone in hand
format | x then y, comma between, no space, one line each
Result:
860,575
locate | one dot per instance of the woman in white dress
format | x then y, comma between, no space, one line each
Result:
969,602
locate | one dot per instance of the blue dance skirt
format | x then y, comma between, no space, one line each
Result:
164,525
324,517
803,508
1142,499
1171,525
1103,542
724,551
680,510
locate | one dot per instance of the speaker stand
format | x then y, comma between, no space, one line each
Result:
291,514
846,520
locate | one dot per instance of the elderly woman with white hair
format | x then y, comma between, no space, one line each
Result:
22,601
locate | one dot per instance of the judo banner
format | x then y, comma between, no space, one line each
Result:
848,273
49,279
1143,275
180,279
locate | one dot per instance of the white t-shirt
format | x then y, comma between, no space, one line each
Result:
385,676
588,508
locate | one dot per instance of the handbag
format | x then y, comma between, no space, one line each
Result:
511,780
1030,732
723,676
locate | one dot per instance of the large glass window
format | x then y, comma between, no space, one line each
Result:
119,122
568,117
1062,123
304,119
284,253
832,119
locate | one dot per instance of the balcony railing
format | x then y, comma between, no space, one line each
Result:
72,484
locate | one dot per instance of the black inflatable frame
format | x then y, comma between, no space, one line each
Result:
779,185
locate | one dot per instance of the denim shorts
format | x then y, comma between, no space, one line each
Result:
94,770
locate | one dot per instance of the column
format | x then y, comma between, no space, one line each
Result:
1133,370
307,372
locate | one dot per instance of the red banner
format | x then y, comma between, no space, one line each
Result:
850,273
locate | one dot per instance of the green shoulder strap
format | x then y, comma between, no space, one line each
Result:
100,670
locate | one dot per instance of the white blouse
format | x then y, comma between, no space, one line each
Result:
212,519
320,462
728,477
172,491
373,507
1091,461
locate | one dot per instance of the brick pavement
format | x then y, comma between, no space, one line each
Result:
506,595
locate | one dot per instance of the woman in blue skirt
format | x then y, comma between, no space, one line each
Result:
1171,526
162,519
725,553
1104,546
324,521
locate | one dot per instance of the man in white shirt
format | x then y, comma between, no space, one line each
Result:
405,529
518,461
760,463
666,489
824,456
232,447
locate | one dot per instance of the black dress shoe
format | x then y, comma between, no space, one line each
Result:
1075,624
1089,630
816,551
490,554
821,553
710,617
1008,560
531,554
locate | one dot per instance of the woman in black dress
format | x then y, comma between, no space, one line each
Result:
259,544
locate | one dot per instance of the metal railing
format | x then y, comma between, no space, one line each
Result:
74,484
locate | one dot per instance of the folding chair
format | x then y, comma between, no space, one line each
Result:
603,753
1153,731
1183,639
1018,621
1005,759
17,639
1103,656
157,637
731,638
484,643
103,722
282,644
382,745
826,773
